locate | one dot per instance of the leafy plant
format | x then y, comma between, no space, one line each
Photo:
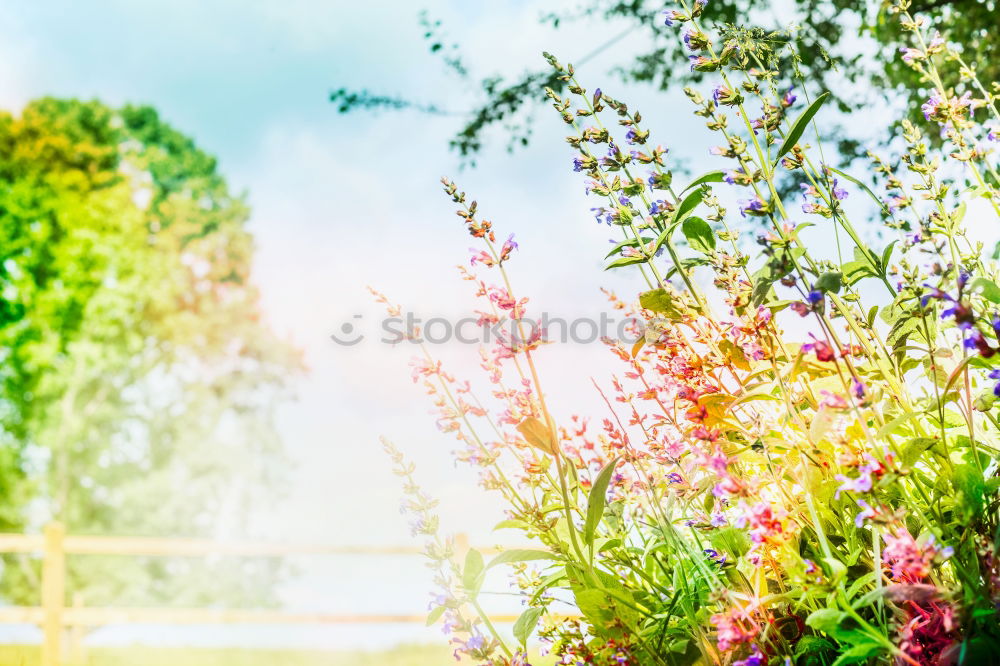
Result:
754,497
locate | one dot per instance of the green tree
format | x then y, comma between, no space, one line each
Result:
846,47
138,378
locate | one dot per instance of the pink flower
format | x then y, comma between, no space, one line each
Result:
480,257
908,560
731,631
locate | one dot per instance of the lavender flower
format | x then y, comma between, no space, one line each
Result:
867,513
672,15
788,98
755,206
703,63
862,484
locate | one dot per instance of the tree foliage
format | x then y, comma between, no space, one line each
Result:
137,376
845,48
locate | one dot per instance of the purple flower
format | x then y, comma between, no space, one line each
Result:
701,63
725,96
930,107
934,293
942,109
789,98
732,176
858,388
688,34
866,513
839,193
671,15
995,374
755,206
862,484
801,308
910,54
695,40
994,131
715,556
755,659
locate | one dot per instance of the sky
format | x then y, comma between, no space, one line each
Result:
340,202
344,201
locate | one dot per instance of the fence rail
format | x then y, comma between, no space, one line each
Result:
53,616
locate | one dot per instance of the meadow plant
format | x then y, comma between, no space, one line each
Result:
826,495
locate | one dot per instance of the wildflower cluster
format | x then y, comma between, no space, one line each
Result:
753,496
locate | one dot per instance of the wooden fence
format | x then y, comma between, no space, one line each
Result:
54,616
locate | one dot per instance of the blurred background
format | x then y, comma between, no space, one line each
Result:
195,197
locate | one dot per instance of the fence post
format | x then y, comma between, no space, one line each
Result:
77,657
53,592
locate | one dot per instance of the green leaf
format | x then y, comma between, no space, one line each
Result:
968,481
435,615
856,270
829,283
520,555
893,425
597,500
662,238
593,605
881,204
903,328
915,448
631,242
987,288
525,624
710,177
688,204
799,126
538,435
699,234
886,255
625,261
812,650
859,652
474,566
659,300
838,570
958,214
826,620
546,583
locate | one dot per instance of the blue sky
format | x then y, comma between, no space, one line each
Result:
340,202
